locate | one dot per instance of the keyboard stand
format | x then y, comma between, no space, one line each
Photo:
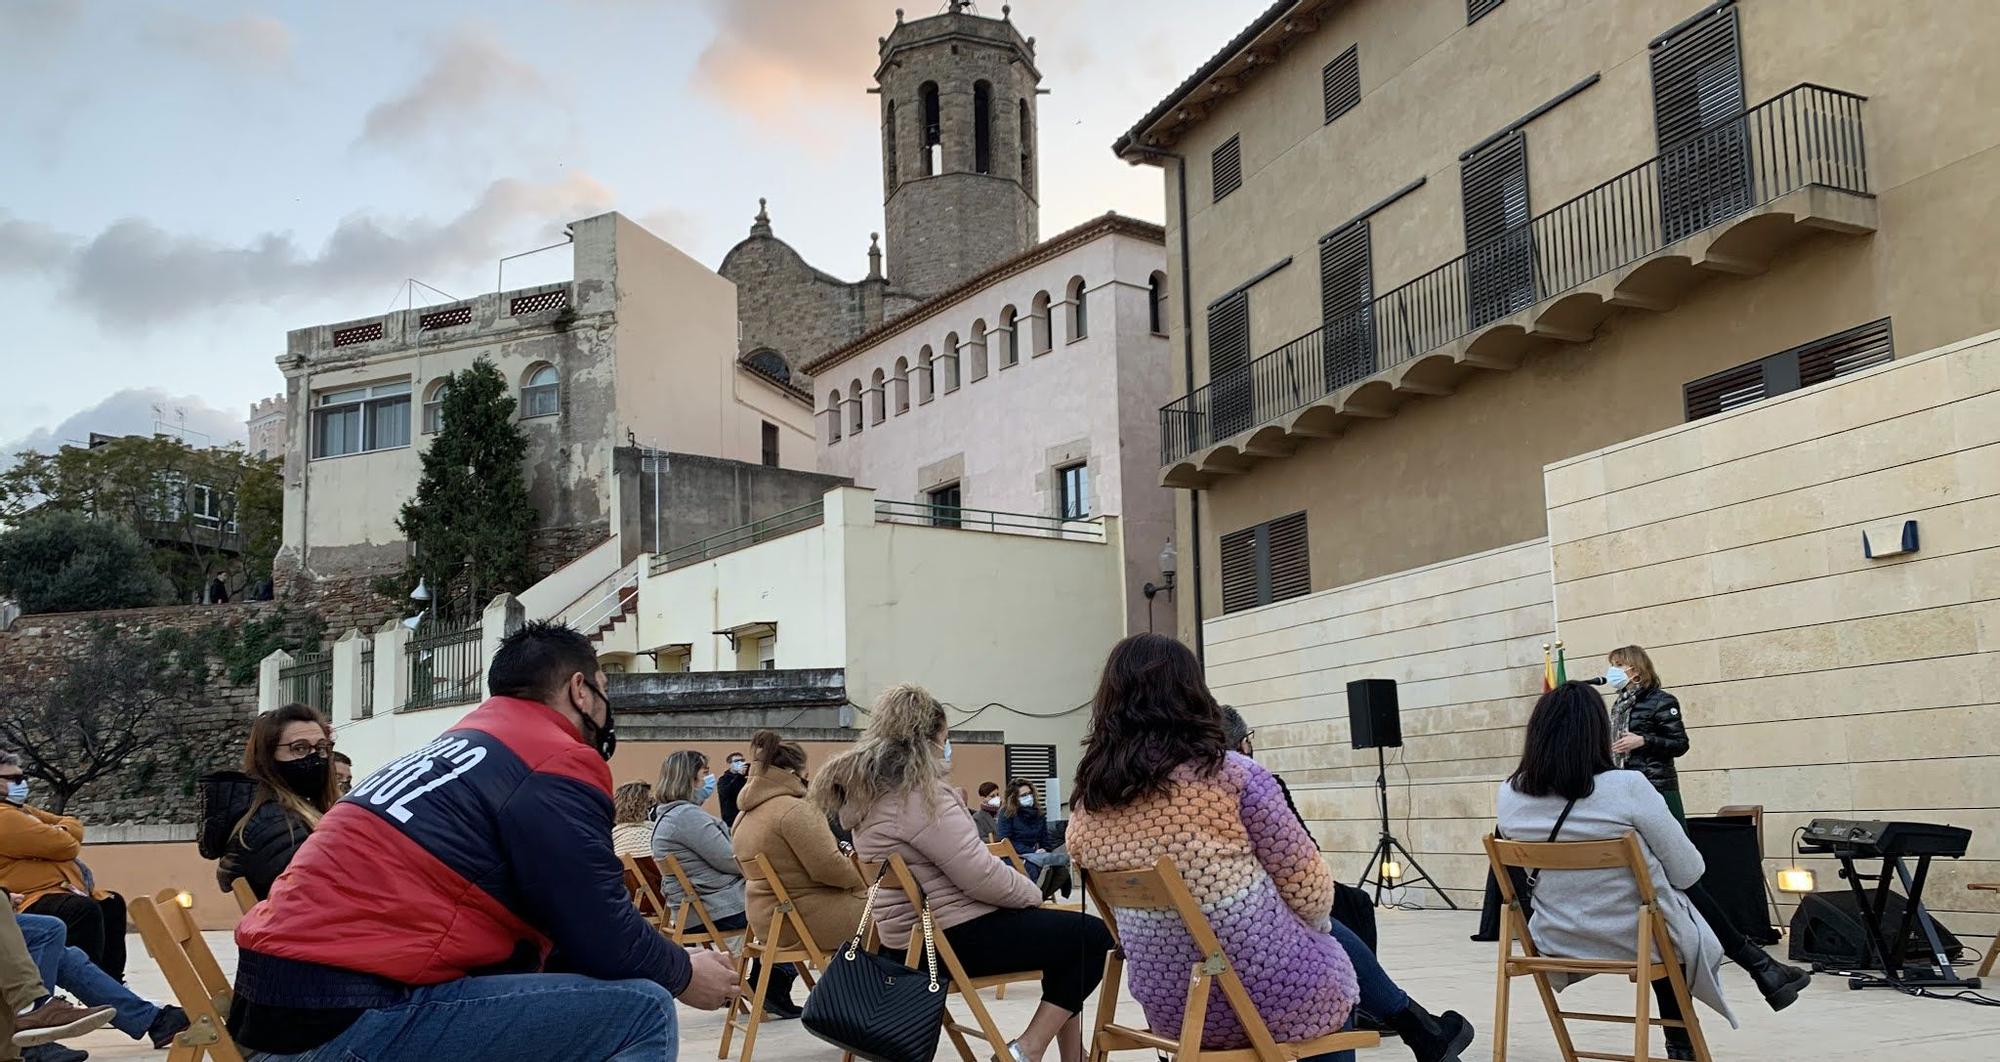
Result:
1874,910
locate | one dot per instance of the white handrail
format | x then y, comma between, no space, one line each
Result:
610,604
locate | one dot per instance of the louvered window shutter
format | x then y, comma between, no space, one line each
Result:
1478,9
1239,570
1228,364
1724,390
1845,352
1290,565
1340,83
1698,119
1346,305
1499,246
1225,168
1035,765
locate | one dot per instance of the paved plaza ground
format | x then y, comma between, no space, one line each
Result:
1428,953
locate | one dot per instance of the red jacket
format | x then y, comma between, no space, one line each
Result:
482,852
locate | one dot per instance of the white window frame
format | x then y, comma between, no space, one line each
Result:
434,407
362,402
535,395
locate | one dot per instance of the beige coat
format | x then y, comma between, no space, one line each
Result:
774,821
934,835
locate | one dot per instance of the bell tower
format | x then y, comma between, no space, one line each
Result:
959,146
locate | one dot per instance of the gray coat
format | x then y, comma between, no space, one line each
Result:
1594,914
701,843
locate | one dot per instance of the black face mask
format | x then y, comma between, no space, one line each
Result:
305,776
602,738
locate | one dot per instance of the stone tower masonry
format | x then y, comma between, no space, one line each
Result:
959,147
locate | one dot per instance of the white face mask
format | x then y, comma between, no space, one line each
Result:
1027,801
738,766
947,752
1616,677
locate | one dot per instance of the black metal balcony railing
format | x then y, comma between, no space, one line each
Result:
308,680
446,666
1809,135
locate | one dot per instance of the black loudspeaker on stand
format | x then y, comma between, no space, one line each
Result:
1375,722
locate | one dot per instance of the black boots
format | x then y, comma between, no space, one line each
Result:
1781,984
1680,1045
1432,1039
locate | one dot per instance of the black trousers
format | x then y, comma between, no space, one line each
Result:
782,974
1067,947
97,927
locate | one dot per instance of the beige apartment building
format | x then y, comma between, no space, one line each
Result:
1492,308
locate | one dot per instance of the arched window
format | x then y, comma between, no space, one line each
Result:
770,363
901,386
982,127
1038,320
1156,303
1027,132
889,175
1079,315
540,393
877,395
1010,340
976,348
951,355
926,375
854,407
833,416
434,406
933,140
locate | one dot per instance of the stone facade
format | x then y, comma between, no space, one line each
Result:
158,788
265,427
786,306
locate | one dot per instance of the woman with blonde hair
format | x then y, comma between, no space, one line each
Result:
254,821
890,789
631,825
1647,732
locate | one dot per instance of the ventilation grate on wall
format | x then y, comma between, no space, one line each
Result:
1478,9
437,319
367,333
542,302
1225,168
1265,563
1805,365
1340,83
1035,765
1846,352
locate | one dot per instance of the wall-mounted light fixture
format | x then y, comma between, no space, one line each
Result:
1168,559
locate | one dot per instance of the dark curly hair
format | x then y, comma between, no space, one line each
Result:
1152,713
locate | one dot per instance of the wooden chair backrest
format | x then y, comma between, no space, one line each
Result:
690,904
645,894
1571,855
246,897
757,869
1161,888
1006,850
167,928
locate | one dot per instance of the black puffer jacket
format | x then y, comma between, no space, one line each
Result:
266,844
1655,715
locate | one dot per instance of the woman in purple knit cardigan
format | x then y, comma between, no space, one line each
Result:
1157,779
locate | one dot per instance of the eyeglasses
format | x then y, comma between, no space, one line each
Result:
10,779
306,748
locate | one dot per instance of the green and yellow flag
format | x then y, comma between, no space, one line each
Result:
1548,669
1562,667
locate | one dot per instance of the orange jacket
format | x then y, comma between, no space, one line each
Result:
38,852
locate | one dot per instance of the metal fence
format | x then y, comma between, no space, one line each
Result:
446,666
364,697
770,527
308,680
961,519
1809,135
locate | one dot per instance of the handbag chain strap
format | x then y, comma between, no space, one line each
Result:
931,945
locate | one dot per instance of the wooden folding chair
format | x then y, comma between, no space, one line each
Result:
746,1011
690,923
1161,888
1993,949
1005,850
645,892
167,927
965,986
1653,936
246,897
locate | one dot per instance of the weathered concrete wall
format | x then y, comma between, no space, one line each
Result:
702,496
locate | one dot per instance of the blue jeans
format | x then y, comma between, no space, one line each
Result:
1380,998
72,971
512,1018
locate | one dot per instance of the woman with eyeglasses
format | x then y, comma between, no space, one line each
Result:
254,820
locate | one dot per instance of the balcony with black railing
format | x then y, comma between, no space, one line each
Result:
1724,200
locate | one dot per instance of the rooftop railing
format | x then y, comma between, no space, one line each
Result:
958,518
811,514
1809,135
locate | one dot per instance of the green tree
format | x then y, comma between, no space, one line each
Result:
58,561
208,511
470,523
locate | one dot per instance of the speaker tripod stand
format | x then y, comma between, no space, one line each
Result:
1392,864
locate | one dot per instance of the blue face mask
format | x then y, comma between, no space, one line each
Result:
1615,677
707,789
17,792
947,752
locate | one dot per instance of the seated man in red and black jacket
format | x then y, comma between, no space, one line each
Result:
423,915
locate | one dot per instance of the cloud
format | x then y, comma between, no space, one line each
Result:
136,411
135,275
28,27
248,43
774,59
470,73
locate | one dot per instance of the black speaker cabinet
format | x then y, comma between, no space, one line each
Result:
1373,719
1830,929
1735,875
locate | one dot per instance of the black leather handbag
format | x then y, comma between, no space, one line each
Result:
874,1006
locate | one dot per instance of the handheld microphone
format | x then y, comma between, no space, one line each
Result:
1598,681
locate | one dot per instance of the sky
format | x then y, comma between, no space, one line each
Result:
183,183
